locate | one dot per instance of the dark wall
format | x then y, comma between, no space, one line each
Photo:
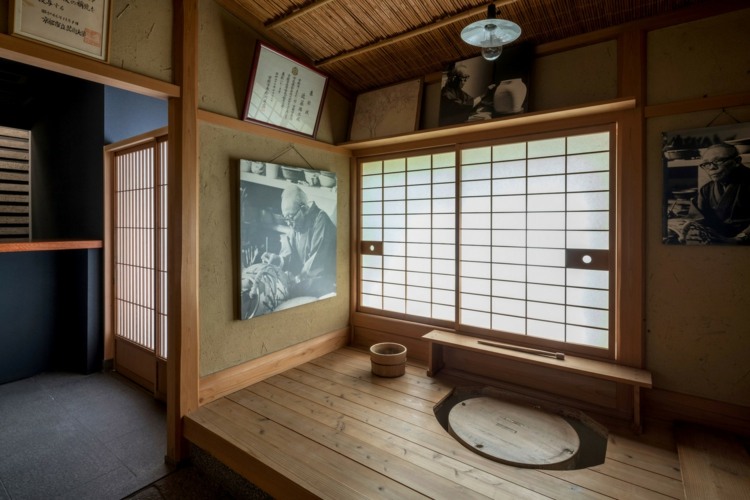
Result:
50,312
51,302
66,162
127,114
28,309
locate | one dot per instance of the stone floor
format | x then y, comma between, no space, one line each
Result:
100,437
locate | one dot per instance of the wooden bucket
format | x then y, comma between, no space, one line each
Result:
388,359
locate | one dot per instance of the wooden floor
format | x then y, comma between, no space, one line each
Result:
330,429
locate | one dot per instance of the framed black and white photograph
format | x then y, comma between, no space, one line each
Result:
80,27
707,186
284,92
477,89
387,111
287,236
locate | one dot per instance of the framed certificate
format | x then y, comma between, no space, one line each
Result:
80,27
284,92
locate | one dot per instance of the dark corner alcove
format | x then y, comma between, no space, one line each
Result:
51,301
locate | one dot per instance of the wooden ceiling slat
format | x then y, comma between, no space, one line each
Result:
367,44
297,13
409,34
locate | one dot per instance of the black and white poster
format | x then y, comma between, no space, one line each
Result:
477,89
707,186
287,236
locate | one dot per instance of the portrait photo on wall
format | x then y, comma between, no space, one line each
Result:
287,236
477,89
707,186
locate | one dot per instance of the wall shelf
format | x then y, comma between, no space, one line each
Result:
466,131
44,245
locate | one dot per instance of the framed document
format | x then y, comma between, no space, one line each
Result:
80,27
284,92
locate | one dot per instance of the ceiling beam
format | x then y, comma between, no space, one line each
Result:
409,34
296,13
281,42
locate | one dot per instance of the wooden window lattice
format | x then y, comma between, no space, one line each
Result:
15,185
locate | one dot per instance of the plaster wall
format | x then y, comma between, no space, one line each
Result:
697,299
225,61
705,58
225,340
141,37
579,76
227,48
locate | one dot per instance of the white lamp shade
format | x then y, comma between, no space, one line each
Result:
477,33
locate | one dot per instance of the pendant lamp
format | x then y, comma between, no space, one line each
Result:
491,34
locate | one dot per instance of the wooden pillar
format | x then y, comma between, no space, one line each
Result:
631,242
182,215
631,50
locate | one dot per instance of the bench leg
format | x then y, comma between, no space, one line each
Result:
637,409
435,359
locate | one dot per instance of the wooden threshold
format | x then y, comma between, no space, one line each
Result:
330,429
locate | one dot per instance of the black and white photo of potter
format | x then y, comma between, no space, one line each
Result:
287,237
477,89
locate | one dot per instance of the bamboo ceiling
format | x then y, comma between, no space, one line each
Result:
366,44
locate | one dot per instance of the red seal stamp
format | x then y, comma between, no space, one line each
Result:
92,37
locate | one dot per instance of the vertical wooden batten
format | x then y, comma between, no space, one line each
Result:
182,214
631,314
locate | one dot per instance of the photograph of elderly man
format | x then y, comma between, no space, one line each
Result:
707,186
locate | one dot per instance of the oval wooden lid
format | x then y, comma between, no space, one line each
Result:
512,434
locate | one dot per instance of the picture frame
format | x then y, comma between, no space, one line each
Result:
78,27
706,194
287,237
476,89
390,110
284,93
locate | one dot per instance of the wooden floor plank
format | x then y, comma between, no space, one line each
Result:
610,486
647,479
636,451
714,464
208,433
416,385
331,429
391,442
650,485
359,451
327,476
382,399
422,429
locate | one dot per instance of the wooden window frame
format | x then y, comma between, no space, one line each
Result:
627,291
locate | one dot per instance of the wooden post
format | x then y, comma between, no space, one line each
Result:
183,181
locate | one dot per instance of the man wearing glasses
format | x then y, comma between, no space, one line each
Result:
724,201
308,251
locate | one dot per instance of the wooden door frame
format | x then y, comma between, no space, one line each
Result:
108,247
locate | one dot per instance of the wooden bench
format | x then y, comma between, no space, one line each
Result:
634,377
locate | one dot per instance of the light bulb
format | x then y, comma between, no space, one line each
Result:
492,47
492,53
